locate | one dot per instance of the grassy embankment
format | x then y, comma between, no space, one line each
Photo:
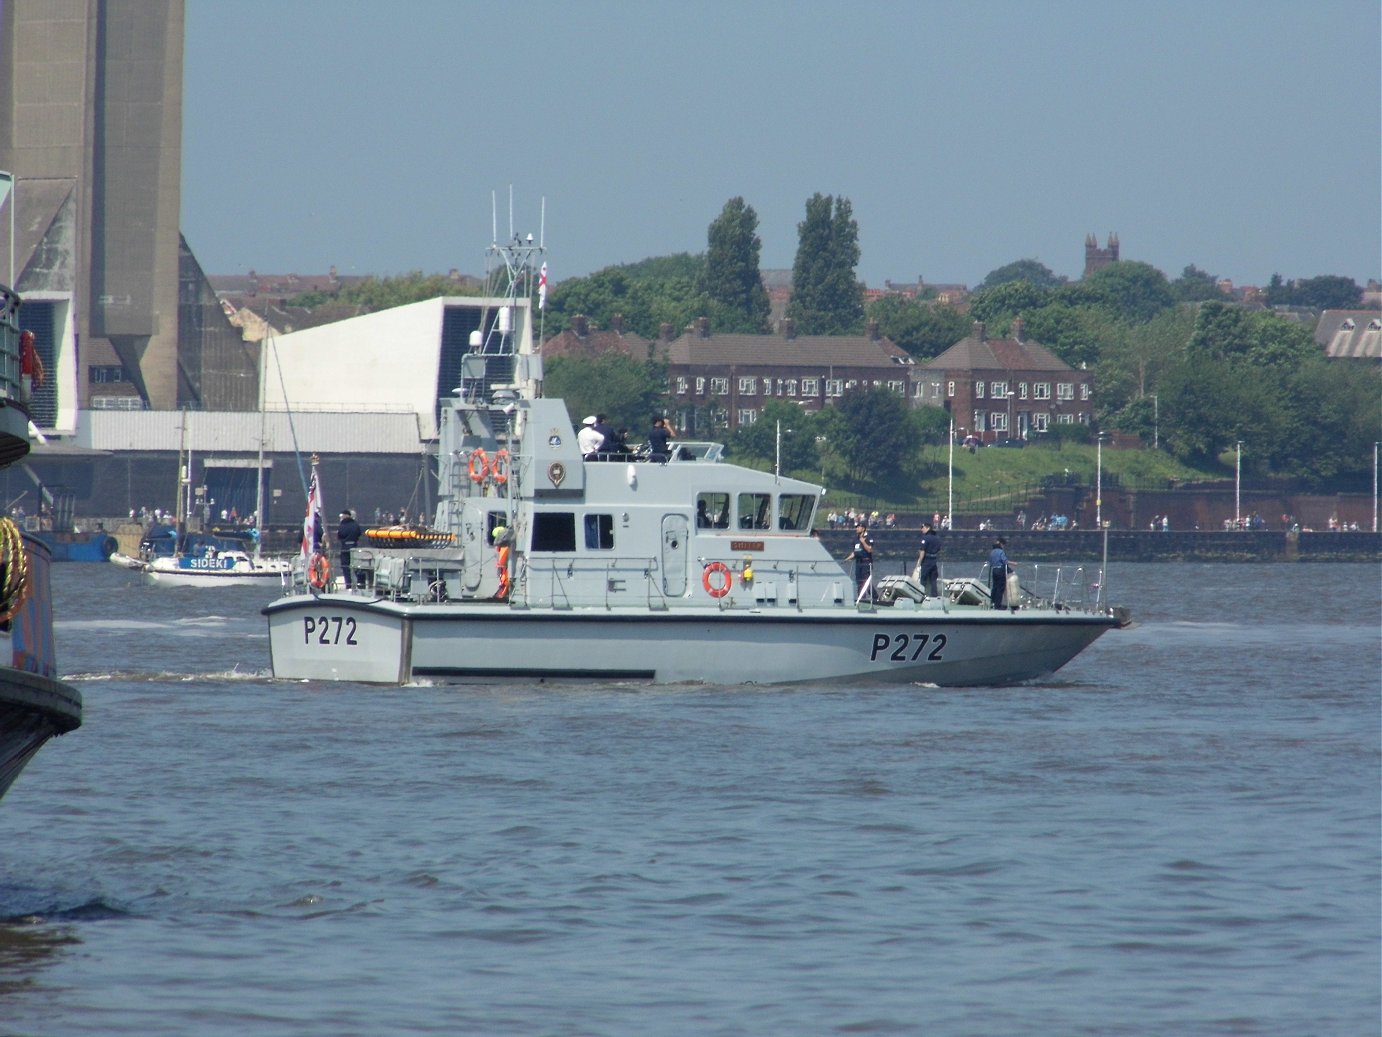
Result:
995,479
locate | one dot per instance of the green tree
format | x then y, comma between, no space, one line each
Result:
630,391
871,432
798,440
382,293
1134,291
1077,334
1327,292
827,299
1195,285
1001,303
922,329
645,294
732,281
1032,271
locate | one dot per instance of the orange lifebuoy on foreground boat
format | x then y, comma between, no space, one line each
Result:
717,579
318,570
479,465
499,467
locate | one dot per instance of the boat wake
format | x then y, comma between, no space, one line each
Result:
168,676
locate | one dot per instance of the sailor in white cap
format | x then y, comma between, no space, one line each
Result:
589,439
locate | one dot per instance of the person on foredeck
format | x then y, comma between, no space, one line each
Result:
609,439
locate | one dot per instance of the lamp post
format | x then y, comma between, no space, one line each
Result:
1011,396
1374,487
1238,488
1156,422
950,499
1099,481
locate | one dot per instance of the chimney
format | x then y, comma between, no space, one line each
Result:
789,328
703,327
580,325
1017,329
873,331
664,332
980,332
617,323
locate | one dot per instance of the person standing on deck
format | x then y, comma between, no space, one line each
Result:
863,564
928,561
348,535
999,567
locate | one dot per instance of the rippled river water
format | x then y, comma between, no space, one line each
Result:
1177,835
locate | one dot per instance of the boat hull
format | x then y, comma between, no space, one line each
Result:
336,637
33,709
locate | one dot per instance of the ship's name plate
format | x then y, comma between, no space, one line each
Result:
746,545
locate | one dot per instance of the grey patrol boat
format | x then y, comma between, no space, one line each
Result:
540,564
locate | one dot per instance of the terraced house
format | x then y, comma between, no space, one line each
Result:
722,382
1000,389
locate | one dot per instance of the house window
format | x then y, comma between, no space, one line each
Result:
834,387
1065,419
950,388
1084,390
700,386
681,386
919,390
747,416
998,390
719,386
791,384
599,532
810,386
1065,390
895,385
998,421
978,421
1041,421
978,390
1041,391
1021,390
748,386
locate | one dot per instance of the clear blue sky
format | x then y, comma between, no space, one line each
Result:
1243,137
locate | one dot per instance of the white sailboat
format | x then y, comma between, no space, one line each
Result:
219,558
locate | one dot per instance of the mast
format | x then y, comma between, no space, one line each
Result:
259,466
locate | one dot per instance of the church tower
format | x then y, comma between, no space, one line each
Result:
1096,258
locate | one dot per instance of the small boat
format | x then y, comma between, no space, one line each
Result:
217,558
540,564
34,704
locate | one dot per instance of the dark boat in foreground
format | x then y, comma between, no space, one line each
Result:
34,705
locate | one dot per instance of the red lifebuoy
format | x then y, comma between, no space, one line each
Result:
724,579
318,571
479,465
499,467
